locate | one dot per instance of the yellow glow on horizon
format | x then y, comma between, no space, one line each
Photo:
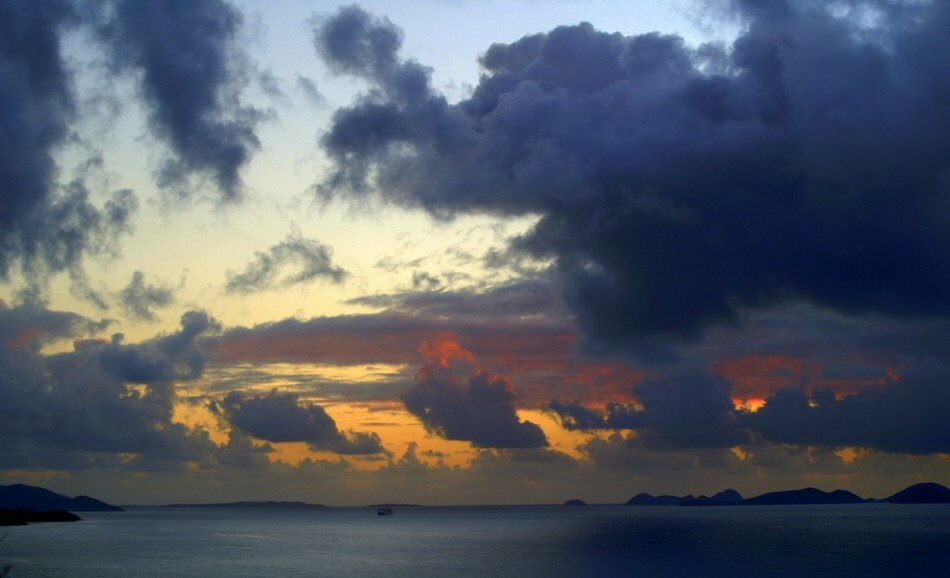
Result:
851,454
752,404
559,438
397,429
33,477
199,416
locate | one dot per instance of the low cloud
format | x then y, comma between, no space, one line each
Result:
518,329
103,396
907,415
456,401
278,417
675,412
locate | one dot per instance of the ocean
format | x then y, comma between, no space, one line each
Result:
522,541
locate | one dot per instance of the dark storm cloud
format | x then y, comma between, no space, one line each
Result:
692,411
908,415
805,348
278,417
101,397
680,187
457,402
139,298
405,110
192,69
311,259
46,228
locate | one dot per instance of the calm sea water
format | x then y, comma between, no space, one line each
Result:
859,540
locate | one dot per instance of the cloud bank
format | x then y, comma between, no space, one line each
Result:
680,187
103,398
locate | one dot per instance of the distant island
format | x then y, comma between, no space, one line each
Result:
21,504
24,497
250,504
922,493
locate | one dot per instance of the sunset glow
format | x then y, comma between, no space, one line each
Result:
462,253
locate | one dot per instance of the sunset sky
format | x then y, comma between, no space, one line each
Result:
463,252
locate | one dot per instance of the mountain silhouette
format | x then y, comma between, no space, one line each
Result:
23,497
923,493
728,497
805,496
645,499
725,497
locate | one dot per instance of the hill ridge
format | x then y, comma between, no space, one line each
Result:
920,493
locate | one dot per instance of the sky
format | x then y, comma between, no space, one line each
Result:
458,252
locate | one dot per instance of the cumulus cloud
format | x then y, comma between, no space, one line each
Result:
102,397
139,298
458,402
278,417
680,187
191,69
306,259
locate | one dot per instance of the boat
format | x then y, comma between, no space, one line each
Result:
384,511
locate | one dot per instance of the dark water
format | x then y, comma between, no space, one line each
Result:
860,540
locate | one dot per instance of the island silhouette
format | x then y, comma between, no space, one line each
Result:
922,493
22,504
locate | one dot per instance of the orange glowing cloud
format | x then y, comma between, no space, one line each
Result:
756,377
80,344
394,339
537,355
25,337
444,349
